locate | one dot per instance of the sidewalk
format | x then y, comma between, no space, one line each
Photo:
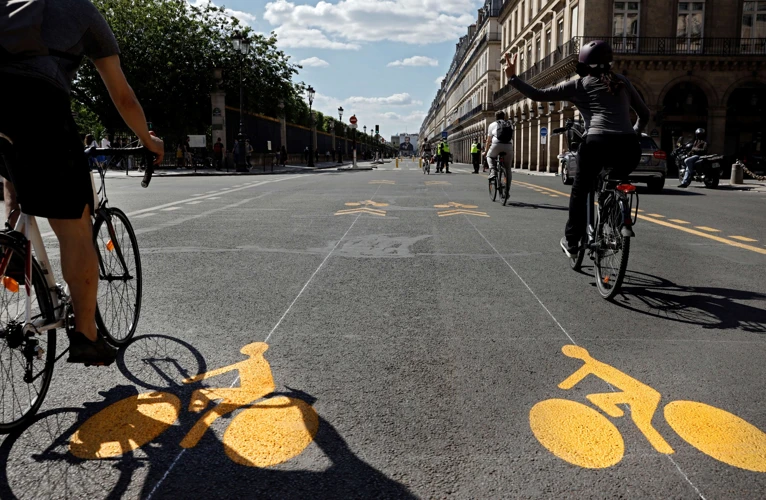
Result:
259,170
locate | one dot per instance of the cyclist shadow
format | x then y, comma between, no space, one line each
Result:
710,307
44,449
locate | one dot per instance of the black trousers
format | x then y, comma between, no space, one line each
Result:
620,153
445,161
475,159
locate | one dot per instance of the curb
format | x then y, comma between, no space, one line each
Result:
214,173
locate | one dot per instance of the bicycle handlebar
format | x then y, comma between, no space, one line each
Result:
138,151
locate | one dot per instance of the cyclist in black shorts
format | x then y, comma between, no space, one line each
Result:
54,181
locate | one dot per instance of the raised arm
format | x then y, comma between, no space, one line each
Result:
562,92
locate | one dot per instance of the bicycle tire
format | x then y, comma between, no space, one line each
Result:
608,237
507,192
493,189
575,262
41,308
108,323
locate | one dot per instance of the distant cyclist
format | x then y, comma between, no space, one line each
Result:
604,100
499,140
42,45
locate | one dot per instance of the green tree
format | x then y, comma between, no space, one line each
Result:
168,52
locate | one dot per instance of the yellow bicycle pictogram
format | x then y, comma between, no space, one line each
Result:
266,432
584,437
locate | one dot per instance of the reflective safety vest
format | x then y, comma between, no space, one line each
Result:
474,148
445,148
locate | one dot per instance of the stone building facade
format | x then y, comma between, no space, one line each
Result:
698,63
463,105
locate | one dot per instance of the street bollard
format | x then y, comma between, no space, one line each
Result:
397,163
420,163
737,174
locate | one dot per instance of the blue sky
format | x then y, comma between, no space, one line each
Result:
379,59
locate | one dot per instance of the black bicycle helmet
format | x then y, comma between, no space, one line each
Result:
595,57
700,133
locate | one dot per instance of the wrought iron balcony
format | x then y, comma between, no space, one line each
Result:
670,46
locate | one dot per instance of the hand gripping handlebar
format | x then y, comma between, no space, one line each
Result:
122,152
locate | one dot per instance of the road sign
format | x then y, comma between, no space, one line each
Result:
444,134
353,126
543,132
353,120
197,141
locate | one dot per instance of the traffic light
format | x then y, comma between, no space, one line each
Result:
377,130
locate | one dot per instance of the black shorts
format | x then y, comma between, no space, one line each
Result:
46,163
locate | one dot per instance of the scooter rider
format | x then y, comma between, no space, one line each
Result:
604,99
699,148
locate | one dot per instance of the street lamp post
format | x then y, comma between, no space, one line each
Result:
241,45
310,92
343,127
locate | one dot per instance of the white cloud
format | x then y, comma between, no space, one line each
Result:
245,18
403,99
347,23
415,61
314,62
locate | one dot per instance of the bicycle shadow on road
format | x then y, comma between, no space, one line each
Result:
709,307
38,461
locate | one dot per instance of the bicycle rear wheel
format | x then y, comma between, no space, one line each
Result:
612,251
507,182
26,360
120,282
493,188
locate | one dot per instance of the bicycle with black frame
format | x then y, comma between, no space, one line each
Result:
609,229
501,182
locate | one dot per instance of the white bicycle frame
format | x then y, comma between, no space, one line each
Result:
27,225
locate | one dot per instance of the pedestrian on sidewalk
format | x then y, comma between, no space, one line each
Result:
218,150
475,156
248,152
327,156
306,155
179,155
235,151
340,155
283,155
187,153
90,142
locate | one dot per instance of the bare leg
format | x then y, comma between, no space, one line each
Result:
9,194
79,263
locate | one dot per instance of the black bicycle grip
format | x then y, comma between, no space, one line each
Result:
149,158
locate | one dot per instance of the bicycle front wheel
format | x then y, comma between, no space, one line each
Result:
26,359
612,251
120,282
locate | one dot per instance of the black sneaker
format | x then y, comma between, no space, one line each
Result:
568,249
82,350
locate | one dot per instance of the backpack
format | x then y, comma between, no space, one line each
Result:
21,29
504,131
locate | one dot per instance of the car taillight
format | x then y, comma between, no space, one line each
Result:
660,155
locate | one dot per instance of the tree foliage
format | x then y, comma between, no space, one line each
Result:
168,52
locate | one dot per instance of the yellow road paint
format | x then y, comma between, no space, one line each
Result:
449,213
370,211
437,183
576,433
709,229
366,203
553,195
271,432
743,238
719,434
382,182
584,437
125,426
681,228
262,434
455,205
679,221
656,216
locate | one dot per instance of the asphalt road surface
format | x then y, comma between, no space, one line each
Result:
417,341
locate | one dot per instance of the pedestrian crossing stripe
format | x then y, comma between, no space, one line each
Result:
437,183
382,182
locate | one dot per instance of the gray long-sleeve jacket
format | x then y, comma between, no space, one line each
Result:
604,112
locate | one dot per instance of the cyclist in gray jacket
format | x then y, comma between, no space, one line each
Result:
604,100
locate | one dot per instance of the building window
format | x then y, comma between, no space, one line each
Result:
523,11
560,40
689,28
548,48
539,50
574,27
530,61
625,26
754,20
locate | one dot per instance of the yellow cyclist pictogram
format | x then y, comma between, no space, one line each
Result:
582,436
264,433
